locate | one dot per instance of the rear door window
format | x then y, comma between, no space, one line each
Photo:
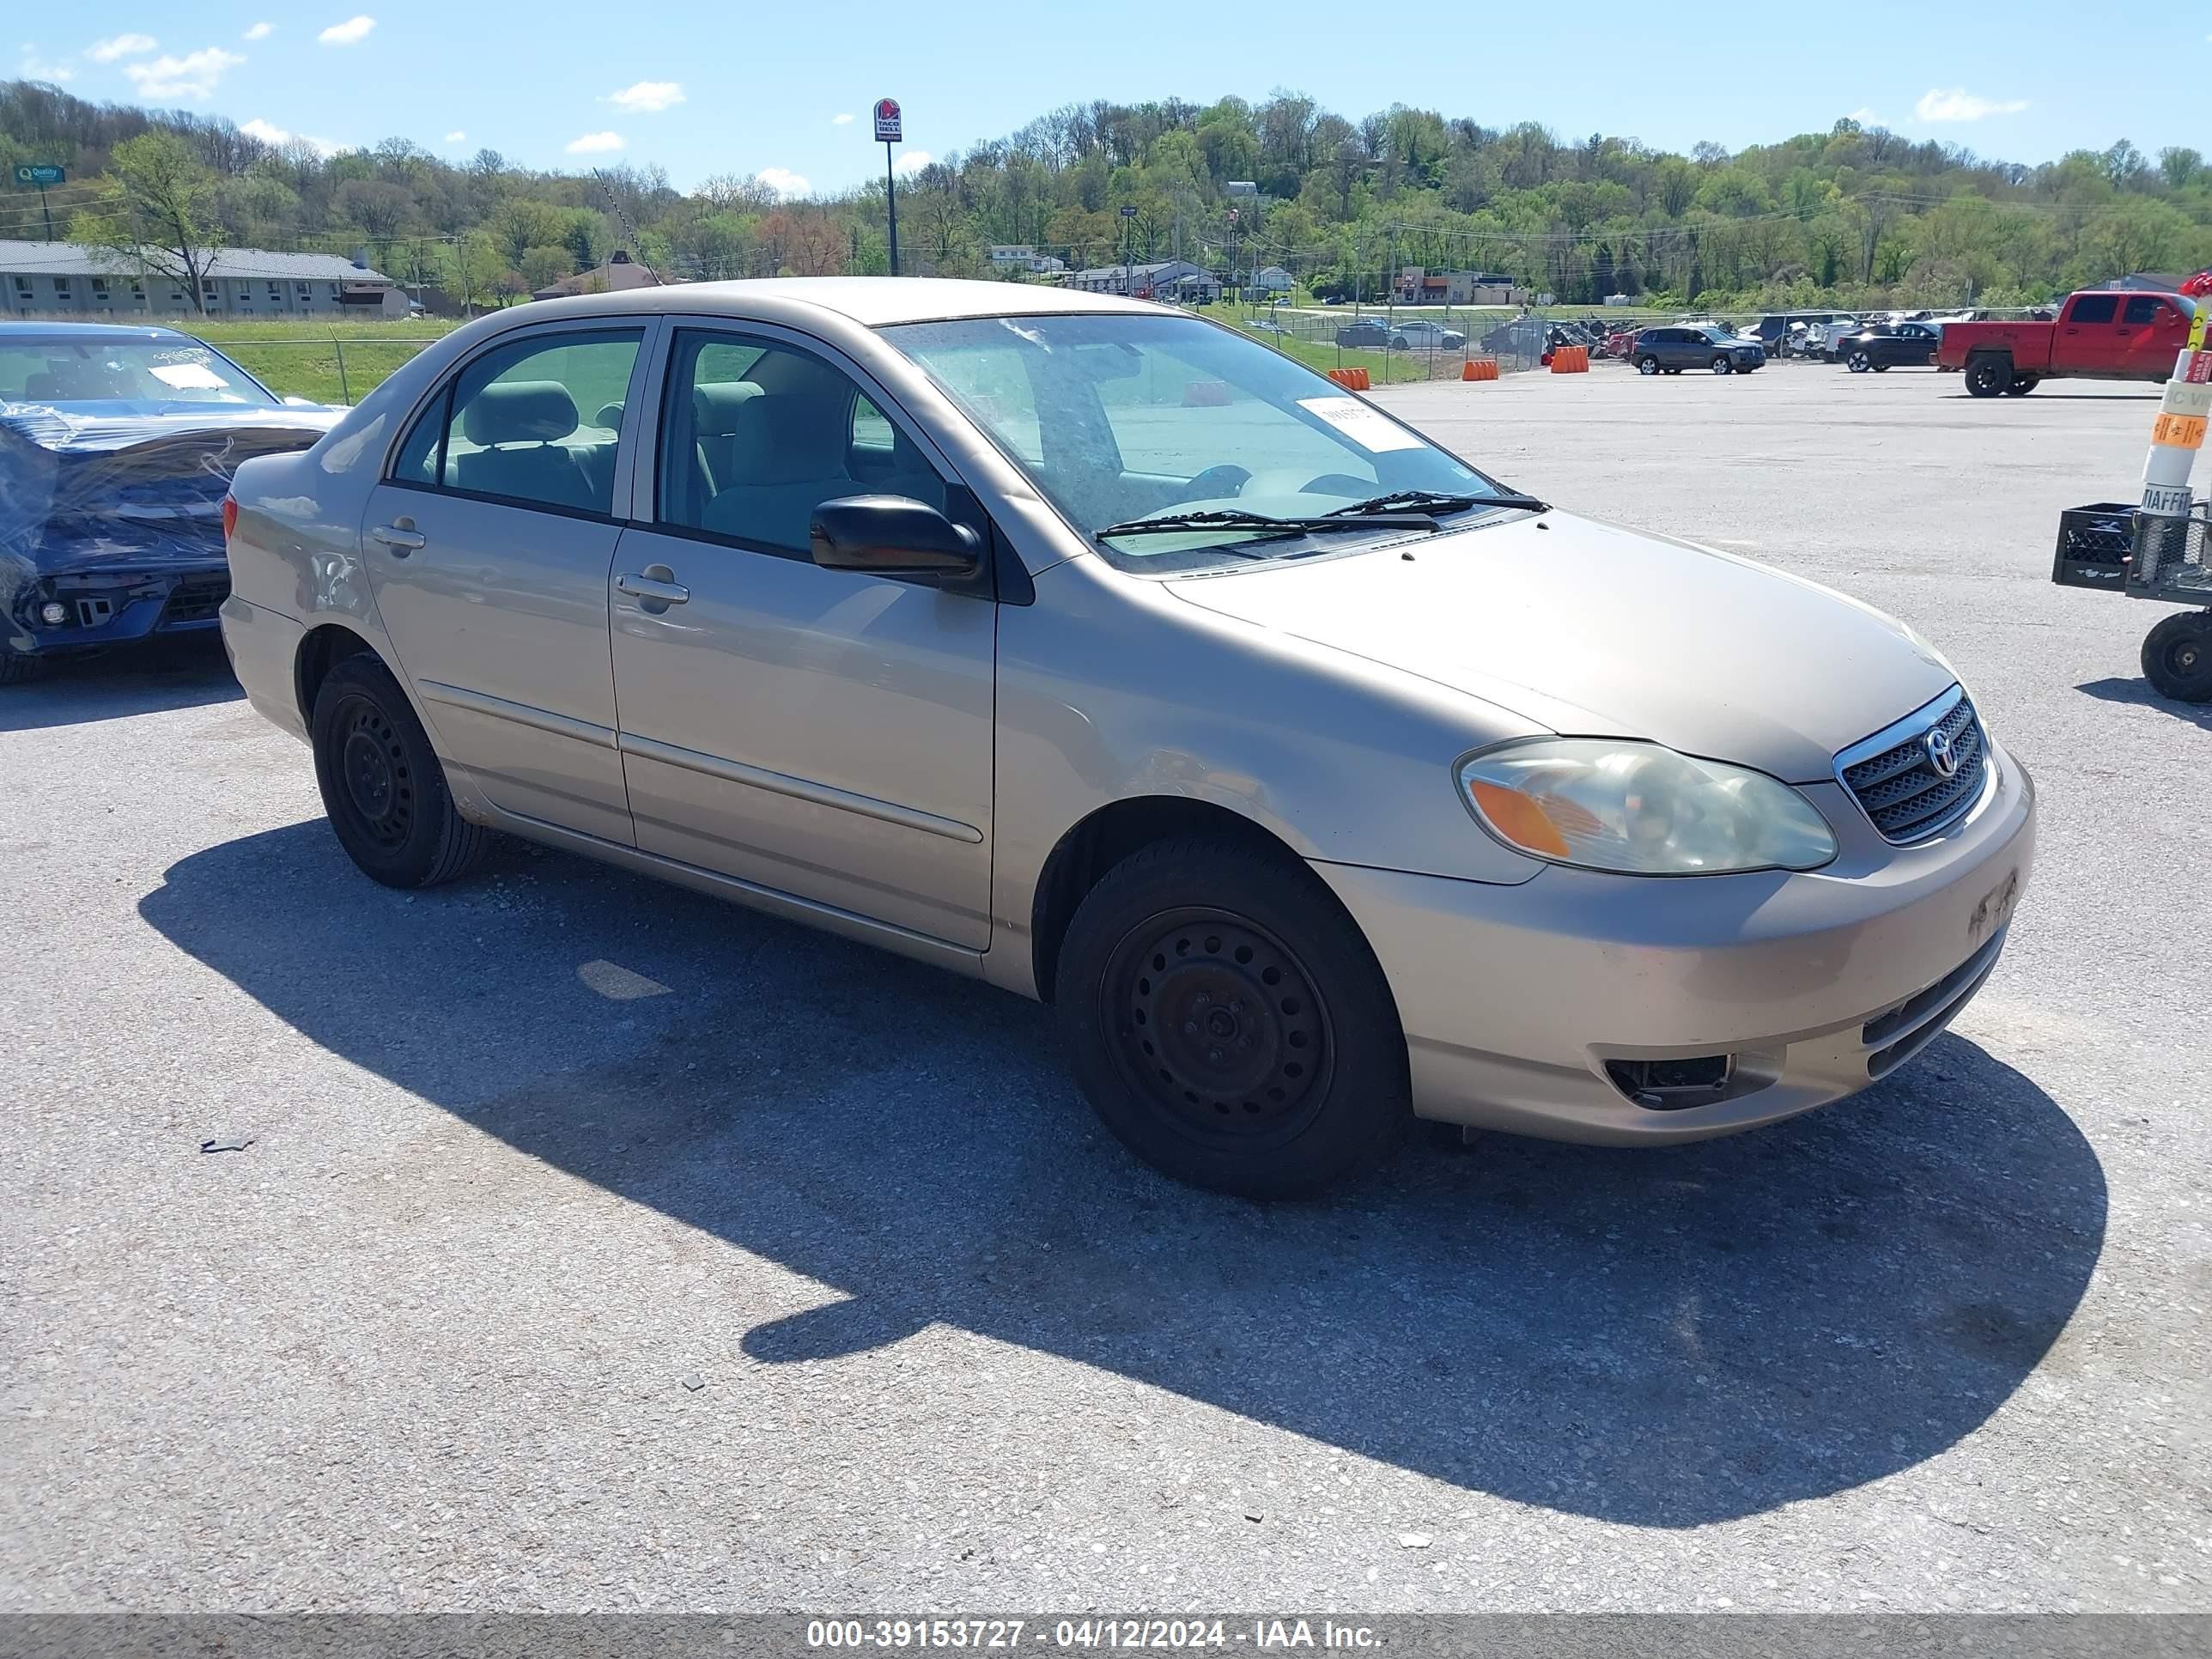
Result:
536,422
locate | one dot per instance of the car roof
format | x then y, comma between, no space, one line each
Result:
870,302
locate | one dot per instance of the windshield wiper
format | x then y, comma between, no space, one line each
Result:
1230,519
1433,501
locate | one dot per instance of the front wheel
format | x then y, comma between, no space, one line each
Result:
1881,368
1228,1022
16,667
383,787
1722,366
2022,385
2177,657
1858,362
1647,364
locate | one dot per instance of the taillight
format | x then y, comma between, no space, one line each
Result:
229,517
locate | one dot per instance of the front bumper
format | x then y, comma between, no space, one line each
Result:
110,609
1514,999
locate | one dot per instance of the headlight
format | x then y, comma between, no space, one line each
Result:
1611,803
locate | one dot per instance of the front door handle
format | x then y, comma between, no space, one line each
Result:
655,587
402,538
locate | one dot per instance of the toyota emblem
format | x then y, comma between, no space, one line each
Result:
1939,755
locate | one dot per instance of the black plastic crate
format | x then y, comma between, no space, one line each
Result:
2094,544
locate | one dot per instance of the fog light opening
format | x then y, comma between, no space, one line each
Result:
53,613
1671,1085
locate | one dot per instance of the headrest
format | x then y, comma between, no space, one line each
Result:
519,412
714,409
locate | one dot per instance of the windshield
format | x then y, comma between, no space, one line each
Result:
1122,418
64,370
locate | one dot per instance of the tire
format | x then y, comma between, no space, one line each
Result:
383,789
2022,385
1723,366
1988,377
1858,362
1647,364
1227,1020
16,667
1881,368
2177,657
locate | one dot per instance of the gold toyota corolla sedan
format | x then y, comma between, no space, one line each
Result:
1095,651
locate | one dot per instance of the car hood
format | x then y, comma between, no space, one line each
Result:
1592,629
112,485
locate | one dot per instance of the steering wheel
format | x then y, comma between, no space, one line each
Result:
1214,482
1337,484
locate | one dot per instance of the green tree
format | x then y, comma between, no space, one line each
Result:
155,210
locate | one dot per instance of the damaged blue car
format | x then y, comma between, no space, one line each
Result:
116,445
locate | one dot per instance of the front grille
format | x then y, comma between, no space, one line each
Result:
1900,786
196,599
1906,1029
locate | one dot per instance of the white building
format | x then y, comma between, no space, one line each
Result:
1271,279
63,279
1011,255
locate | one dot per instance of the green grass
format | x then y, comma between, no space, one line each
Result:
337,362
1384,368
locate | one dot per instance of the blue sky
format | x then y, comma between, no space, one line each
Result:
705,89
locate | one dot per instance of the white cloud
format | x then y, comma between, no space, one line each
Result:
1959,105
35,68
456,136
120,45
259,32
269,133
1867,118
594,143
192,76
783,181
351,33
912,161
647,97
840,120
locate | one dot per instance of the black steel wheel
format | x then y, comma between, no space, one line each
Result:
1228,1022
1988,377
2022,385
383,787
2177,657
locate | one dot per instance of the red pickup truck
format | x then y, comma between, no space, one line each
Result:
2099,336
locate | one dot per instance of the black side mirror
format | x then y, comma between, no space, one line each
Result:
893,536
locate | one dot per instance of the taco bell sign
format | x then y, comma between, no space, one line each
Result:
887,121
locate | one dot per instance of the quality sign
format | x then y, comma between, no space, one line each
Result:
39,174
887,122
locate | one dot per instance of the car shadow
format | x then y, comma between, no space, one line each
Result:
2139,692
173,673
1658,1337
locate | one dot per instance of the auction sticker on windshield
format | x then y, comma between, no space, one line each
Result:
1368,428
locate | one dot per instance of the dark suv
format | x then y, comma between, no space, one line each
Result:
1672,348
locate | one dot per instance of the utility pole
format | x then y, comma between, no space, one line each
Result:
889,130
1128,271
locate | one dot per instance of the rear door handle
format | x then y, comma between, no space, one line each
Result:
656,586
399,538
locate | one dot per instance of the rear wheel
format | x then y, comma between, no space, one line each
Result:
1881,368
383,788
1988,377
1228,1022
1647,364
1858,362
2177,657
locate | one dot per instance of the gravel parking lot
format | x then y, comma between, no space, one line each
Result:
598,1247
